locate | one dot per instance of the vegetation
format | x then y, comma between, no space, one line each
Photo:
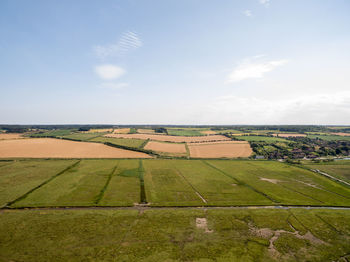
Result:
136,143
166,183
184,132
338,169
172,235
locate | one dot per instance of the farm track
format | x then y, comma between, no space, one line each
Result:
145,207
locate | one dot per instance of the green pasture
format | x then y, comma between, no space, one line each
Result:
184,132
19,177
339,169
165,182
83,136
330,137
267,139
135,143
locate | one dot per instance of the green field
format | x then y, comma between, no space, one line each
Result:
267,139
166,183
59,132
172,235
135,143
338,169
19,177
83,136
330,137
184,132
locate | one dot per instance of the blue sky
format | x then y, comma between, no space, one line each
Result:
175,62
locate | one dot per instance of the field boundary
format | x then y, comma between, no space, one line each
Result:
42,184
141,170
103,190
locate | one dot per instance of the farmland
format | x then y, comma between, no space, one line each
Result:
97,205
135,143
175,139
227,149
168,209
169,183
59,148
172,148
261,138
338,169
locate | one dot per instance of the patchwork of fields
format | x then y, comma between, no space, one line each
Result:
160,182
175,139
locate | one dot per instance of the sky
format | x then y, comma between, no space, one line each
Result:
186,62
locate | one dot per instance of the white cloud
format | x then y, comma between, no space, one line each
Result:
108,71
264,2
127,42
248,13
252,68
109,85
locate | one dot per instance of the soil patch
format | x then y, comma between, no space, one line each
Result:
231,149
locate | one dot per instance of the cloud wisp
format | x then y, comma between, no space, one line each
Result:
127,42
265,2
253,68
109,71
248,13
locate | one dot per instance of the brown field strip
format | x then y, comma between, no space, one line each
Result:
289,135
176,139
145,131
59,148
230,149
208,132
341,134
166,147
104,130
121,131
10,136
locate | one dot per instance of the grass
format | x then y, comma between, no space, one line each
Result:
59,132
166,186
286,184
83,136
184,132
330,137
338,169
215,187
19,177
79,186
124,186
167,183
135,143
266,139
171,235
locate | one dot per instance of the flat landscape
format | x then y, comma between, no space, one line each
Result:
139,195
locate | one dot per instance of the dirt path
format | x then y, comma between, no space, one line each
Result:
329,176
